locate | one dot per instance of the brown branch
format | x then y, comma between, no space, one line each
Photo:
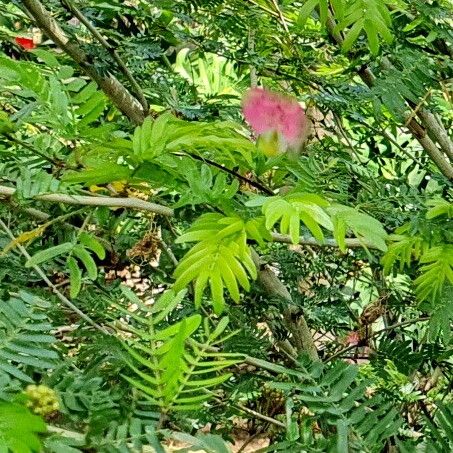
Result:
417,130
438,131
117,92
293,318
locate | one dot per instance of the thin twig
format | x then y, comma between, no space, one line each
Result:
414,111
257,184
54,289
378,332
259,415
250,439
281,16
345,136
168,251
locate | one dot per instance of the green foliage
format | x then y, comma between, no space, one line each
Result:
355,16
314,211
214,77
167,138
430,247
436,271
19,429
204,187
409,78
173,370
335,397
368,230
292,209
139,371
132,434
442,316
369,16
25,339
172,135
76,254
441,429
82,397
221,258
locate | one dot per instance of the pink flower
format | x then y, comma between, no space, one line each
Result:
352,338
267,111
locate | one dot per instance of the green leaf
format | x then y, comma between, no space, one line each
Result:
102,174
307,8
220,260
93,244
19,429
293,208
372,36
47,57
352,35
75,277
323,11
338,8
48,254
84,256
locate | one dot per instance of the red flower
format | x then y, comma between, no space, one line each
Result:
25,43
267,111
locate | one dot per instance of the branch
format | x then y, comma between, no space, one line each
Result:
131,203
418,132
259,415
350,243
135,203
136,87
117,92
438,131
293,318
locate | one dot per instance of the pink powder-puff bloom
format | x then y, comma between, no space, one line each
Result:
352,338
267,111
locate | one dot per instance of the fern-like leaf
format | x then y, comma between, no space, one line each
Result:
25,341
293,209
220,259
366,228
436,271
171,369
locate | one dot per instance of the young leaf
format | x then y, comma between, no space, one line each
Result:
48,254
93,244
305,11
75,277
83,255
